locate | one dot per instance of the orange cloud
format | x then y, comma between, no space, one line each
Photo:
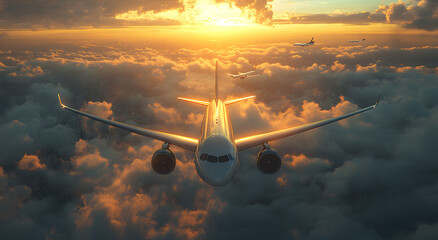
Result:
30,163
100,109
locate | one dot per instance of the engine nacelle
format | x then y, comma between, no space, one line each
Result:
163,161
268,161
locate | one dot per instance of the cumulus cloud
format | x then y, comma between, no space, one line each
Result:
261,10
30,163
372,176
420,16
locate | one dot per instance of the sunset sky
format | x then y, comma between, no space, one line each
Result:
372,176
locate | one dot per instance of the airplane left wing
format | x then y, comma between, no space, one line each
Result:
252,141
181,141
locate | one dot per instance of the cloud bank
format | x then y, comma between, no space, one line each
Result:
413,15
52,14
369,177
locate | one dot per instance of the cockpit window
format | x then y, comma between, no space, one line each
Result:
211,158
223,158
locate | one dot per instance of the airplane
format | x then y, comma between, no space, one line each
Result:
363,39
305,44
216,150
243,75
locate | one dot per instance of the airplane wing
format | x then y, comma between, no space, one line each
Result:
252,141
181,141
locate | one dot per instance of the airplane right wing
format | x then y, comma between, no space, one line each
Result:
252,141
181,141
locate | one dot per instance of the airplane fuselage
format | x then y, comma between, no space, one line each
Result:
216,155
242,75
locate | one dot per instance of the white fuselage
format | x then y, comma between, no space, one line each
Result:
242,75
304,44
216,155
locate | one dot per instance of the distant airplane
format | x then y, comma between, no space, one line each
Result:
305,44
216,149
243,75
363,39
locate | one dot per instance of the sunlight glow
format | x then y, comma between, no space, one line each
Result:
200,13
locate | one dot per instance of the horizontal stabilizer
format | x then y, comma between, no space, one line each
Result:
194,101
238,100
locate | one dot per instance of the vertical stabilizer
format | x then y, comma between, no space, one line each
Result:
216,94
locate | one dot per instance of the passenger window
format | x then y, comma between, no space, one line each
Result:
211,158
204,156
223,158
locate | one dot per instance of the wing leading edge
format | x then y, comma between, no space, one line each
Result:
252,141
181,141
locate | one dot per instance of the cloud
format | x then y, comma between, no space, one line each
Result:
420,16
30,163
349,18
55,14
370,176
261,10
413,15
52,14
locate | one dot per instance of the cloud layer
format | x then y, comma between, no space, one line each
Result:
52,14
414,15
369,177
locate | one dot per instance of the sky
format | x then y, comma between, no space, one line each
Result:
372,176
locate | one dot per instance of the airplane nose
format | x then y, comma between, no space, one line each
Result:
217,174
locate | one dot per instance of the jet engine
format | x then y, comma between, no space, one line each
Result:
268,160
163,161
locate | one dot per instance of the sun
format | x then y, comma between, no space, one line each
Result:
199,13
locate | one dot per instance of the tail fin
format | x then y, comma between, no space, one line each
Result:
237,100
312,39
216,94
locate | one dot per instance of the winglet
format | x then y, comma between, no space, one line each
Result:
377,103
60,102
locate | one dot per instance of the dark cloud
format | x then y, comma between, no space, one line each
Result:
369,177
62,14
425,16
